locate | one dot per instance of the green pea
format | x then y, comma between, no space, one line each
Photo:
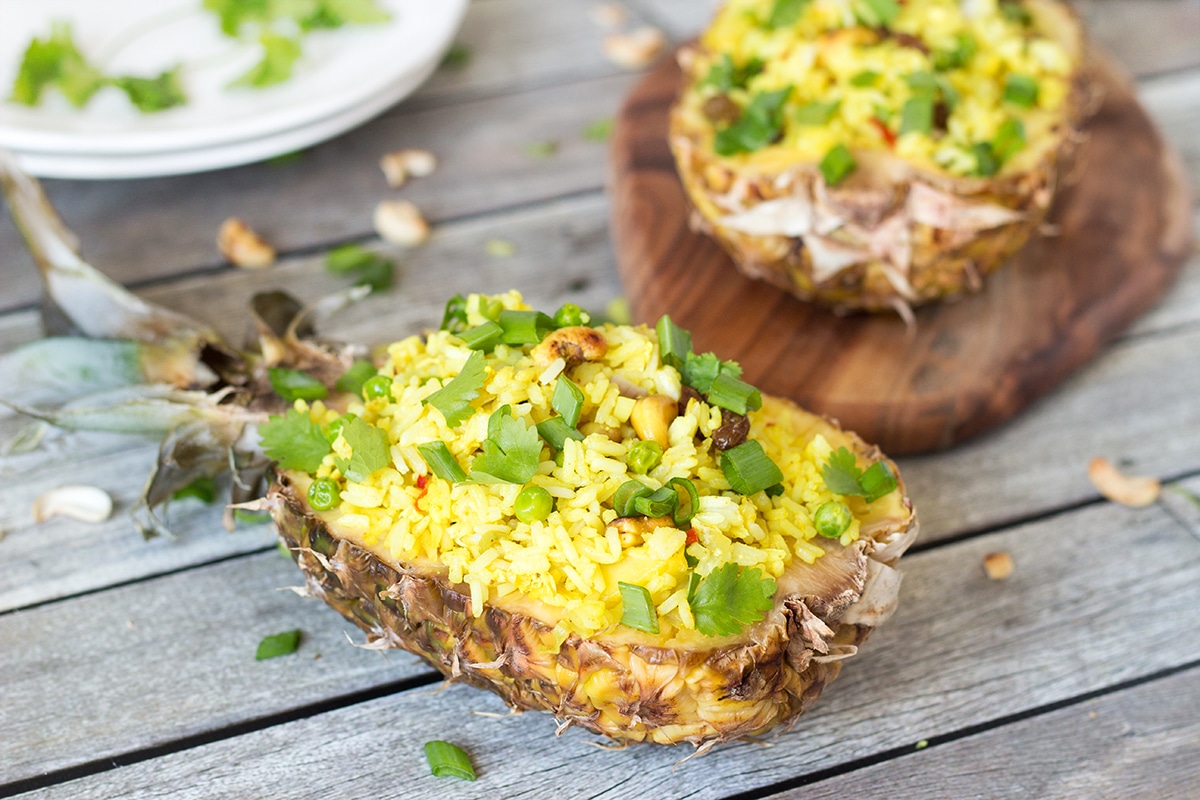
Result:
533,503
334,429
832,519
379,386
570,315
323,494
644,456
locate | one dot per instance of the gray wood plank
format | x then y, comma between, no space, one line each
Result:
163,659
1141,742
1099,596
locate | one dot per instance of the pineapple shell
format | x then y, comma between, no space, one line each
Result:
622,684
893,235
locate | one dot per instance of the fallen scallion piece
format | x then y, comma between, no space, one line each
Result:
278,644
447,760
352,380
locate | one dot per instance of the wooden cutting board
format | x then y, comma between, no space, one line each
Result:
966,366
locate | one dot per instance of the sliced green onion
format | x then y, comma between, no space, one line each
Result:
377,275
352,380
1020,90
877,481
816,112
674,343
378,386
917,116
567,400
524,327
454,318
749,469
964,50
837,164
279,644
626,494
556,431
323,494
203,489
293,385
876,13
684,511
785,13
439,458
774,491
657,504
482,337
863,79
532,504
490,308
637,608
832,519
1009,140
734,394
570,315
1015,12
985,160
922,83
448,761
643,456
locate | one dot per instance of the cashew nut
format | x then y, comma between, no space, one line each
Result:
652,416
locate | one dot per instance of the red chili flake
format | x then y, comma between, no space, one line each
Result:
884,131
692,537
423,485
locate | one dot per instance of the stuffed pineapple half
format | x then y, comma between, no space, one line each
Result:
589,520
873,155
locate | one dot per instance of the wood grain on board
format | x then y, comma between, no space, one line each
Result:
1122,232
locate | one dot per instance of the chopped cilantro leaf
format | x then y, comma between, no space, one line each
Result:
370,450
785,13
295,441
511,452
758,126
727,599
699,371
280,54
150,95
454,398
842,476
876,13
723,75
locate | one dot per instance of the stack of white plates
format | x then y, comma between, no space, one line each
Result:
345,77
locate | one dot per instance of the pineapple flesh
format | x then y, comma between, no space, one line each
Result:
873,155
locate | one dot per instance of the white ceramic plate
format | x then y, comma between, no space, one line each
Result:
341,70
179,162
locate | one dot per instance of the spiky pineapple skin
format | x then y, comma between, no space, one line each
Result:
627,691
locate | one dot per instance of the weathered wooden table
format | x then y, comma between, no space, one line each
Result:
127,668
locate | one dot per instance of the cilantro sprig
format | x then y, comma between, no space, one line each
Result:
295,441
843,476
511,453
454,399
369,450
729,598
